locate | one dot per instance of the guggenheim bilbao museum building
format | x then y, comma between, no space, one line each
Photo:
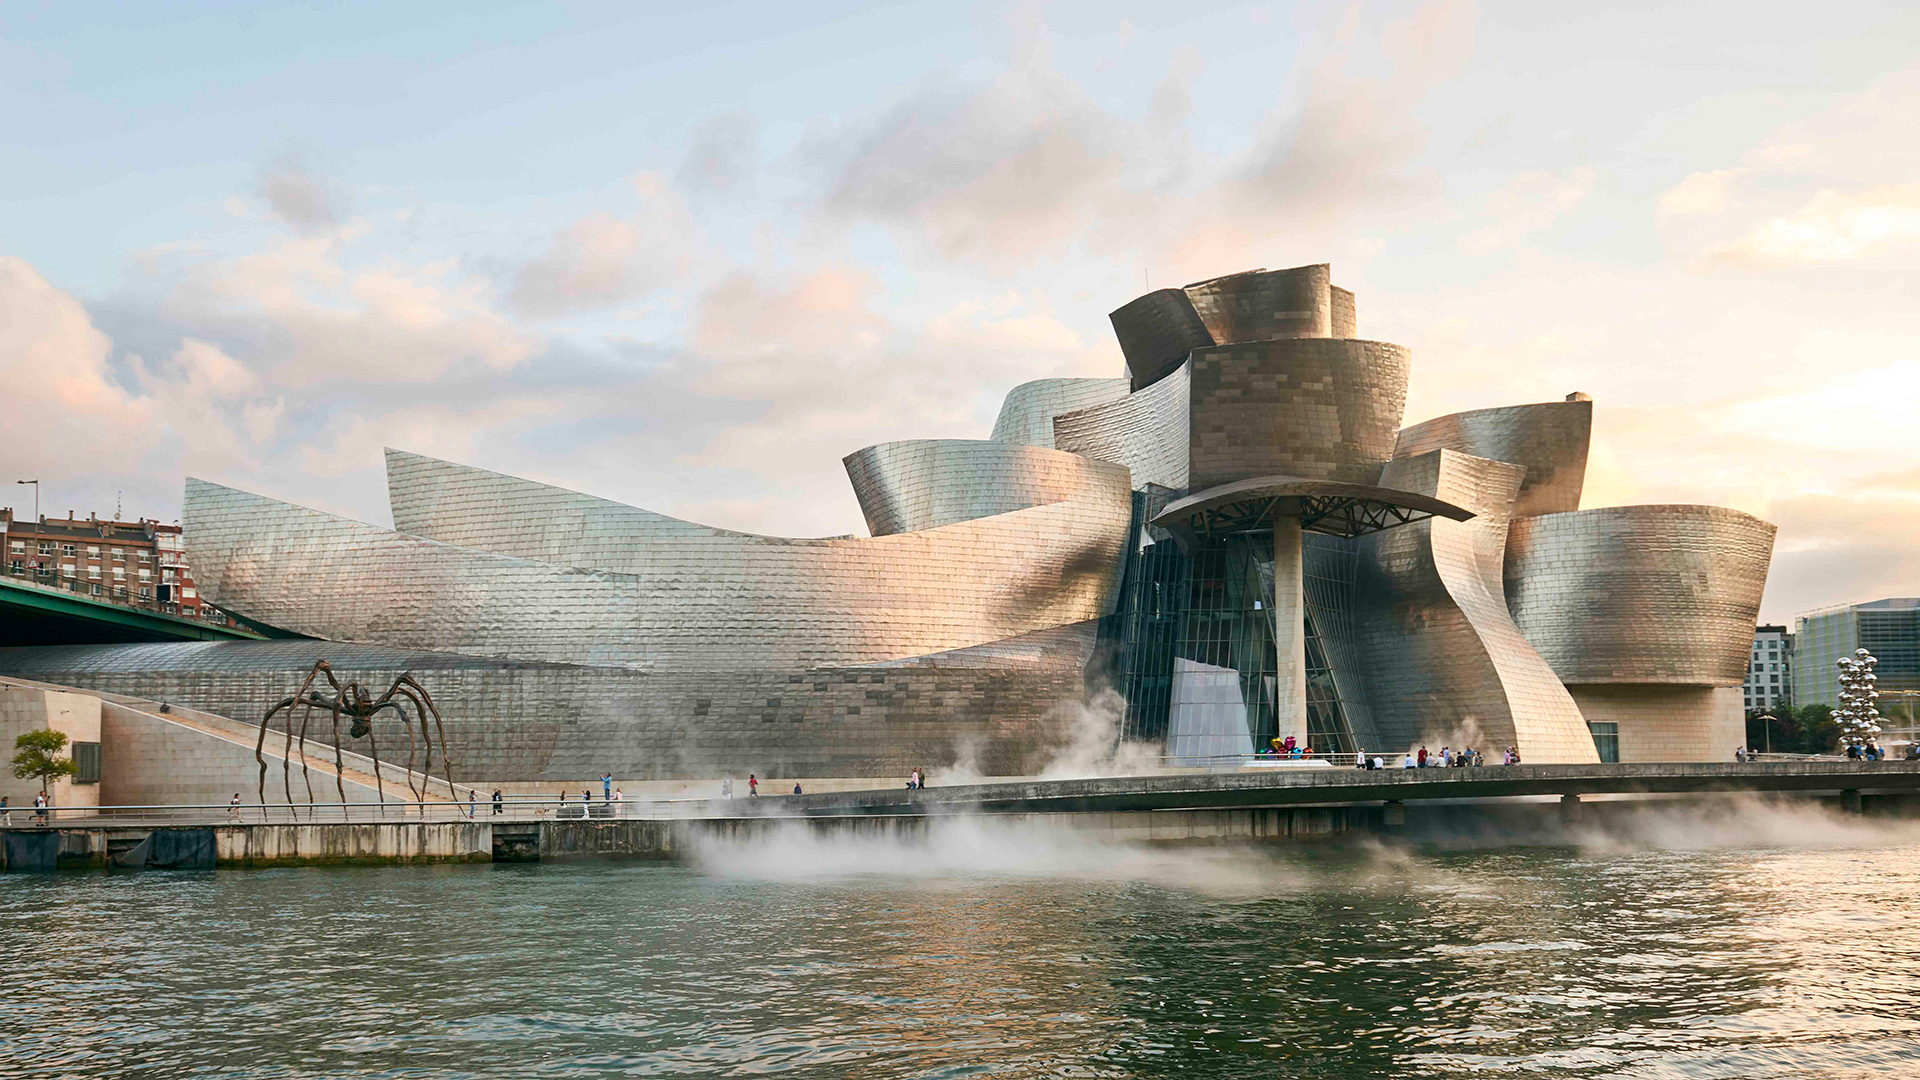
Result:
1235,541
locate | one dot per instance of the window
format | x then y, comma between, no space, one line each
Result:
1606,740
93,551
119,573
146,593
68,550
119,554
120,590
66,570
19,547
188,593
146,556
93,573
17,566
1774,679
46,547
146,574
96,590
87,756
166,574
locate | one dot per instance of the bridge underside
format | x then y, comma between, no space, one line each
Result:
31,616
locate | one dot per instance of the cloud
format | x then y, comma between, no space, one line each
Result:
1832,227
722,154
301,197
1528,204
1700,193
603,260
62,413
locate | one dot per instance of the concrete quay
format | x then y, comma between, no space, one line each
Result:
1282,806
1298,786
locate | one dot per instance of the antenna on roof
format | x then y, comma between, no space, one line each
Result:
116,504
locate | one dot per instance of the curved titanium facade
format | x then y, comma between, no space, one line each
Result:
925,483
1446,664
568,583
1319,409
1266,305
1640,594
1026,416
1156,333
1146,431
532,727
1549,438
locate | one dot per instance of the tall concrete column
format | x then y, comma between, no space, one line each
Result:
1289,630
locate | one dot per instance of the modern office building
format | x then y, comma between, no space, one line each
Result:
1234,543
1889,629
1770,672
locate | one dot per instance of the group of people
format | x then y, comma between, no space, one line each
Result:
1449,758
41,803
916,780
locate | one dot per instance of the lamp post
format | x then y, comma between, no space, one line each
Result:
1767,719
36,500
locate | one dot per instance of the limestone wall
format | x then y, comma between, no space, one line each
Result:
1668,723
24,709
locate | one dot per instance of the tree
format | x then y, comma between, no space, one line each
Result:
39,758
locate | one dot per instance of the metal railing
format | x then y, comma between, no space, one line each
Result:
509,810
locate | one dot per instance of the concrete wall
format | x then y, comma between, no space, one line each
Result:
24,709
1668,723
151,761
262,845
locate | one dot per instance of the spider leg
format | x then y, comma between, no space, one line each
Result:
420,714
259,746
397,708
445,758
339,763
306,771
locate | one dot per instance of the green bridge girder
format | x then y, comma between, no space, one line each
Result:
30,615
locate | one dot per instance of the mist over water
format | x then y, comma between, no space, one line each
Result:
1737,940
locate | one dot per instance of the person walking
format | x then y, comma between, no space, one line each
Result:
726,788
40,807
753,786
619,803
233,806
497,801
6,814
471,796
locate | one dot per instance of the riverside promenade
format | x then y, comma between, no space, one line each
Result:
1275,804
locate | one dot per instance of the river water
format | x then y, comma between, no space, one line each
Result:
1758,944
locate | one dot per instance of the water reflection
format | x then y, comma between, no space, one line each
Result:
1052,959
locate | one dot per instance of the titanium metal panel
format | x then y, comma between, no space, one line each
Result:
1319,409
536,725
1640,594
925,483
1265,305
1445,665
1550,438
1026,416
1147,431
571,583
1156,333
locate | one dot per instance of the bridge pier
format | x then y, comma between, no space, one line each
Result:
1569,809
1850,801
1393,815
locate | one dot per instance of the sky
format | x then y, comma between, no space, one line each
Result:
688,257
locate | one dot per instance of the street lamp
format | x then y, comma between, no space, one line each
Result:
1768,718
36,500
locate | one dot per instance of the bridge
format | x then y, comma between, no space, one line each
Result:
36,615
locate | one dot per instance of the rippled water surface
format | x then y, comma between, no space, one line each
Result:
1778,952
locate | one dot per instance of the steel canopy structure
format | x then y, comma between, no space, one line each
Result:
1320,506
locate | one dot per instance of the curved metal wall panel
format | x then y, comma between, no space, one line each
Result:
1146,431
1156,333
1265,305
925,483
1346,314
1549,438
515,722
1320,409
1026,416
571,583
1446,665
1640,594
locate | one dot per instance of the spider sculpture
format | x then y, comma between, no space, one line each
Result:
353,702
